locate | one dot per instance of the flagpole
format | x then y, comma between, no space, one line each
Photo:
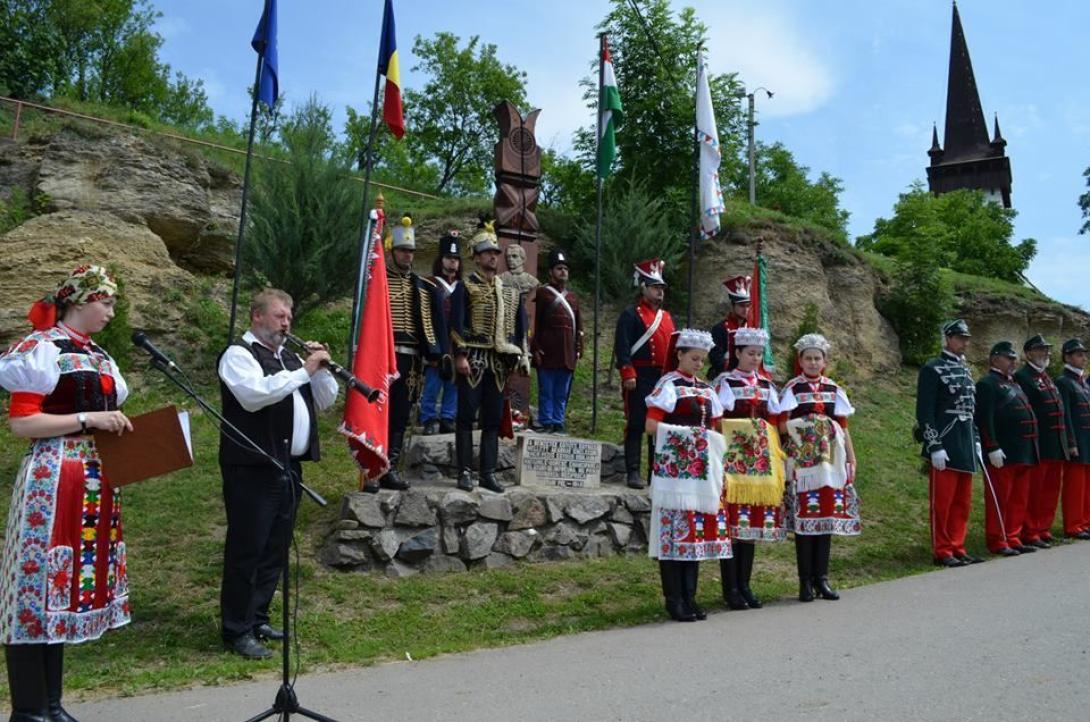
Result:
598,233
364,257
695,213
246,189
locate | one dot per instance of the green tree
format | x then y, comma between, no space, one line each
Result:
450,118
965,233
566,184
396,161
920,299
1084,204
306,213
29,46
784,185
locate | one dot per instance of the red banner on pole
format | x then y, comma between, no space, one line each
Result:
367,424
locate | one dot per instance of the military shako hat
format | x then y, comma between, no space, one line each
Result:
957,327
448,245
649,273
402,235
1037,341
557,257
1072,345
485,238
1004,348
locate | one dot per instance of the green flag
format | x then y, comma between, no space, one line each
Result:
609,113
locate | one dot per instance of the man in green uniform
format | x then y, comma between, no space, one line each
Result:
1076,470
1008,434
945,402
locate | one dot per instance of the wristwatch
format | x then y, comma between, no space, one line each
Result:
81,417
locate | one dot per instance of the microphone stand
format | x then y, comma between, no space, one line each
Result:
286,703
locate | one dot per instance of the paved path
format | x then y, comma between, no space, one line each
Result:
996,641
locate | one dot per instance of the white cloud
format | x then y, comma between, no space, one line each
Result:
767,49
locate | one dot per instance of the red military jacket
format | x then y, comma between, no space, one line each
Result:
558,335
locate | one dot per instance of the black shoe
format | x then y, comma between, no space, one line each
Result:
371,487
1040,544
431,428
970,559
265,632
560,430
490,482
1024,549
465,480
696,610
821,586
752,600
1083,534
806,591
679,611
1048,538
446,426
56,714
634,481
1007,552
30,717
247,646
950,562
393,481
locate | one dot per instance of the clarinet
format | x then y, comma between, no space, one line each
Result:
371,394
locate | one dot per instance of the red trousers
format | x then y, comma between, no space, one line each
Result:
1005,509
1044,495
951,500
1076,497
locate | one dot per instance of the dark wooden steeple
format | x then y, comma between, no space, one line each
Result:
969,159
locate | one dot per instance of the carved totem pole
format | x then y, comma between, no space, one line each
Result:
518,180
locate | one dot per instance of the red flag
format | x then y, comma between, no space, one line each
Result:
365,424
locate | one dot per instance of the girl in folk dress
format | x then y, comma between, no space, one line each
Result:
687,522
63,571
753,464
821,498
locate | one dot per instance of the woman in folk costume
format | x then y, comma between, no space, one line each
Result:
753,464
63,570
687,522
821,497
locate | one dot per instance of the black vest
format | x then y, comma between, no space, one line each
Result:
270,426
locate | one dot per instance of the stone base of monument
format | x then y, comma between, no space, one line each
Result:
575,507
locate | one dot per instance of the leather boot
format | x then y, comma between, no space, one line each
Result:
728,572
690,572
632,461
393,480
673,592
744,554
823,546
27,682
463,452
54,682
490,450
446,426
804,557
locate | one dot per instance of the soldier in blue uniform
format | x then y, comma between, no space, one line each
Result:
945,403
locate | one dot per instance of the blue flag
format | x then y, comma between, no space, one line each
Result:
264,43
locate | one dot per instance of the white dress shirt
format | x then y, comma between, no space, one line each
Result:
254,390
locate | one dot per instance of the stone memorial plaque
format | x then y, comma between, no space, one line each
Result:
556,461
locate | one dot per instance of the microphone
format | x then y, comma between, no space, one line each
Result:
139,338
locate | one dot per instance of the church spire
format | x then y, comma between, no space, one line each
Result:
998,139
966,131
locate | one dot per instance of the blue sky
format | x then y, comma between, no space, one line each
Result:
857,83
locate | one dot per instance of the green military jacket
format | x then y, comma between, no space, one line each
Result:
1076,397
945,403
1005,418
1053,436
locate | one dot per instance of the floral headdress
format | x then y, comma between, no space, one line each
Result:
86,284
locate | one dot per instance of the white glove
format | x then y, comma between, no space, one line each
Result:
995,458
979,451
939,459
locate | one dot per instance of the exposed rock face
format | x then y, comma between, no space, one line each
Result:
993,319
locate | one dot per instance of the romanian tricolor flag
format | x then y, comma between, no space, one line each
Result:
388,67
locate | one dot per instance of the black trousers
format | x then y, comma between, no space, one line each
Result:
485,401
261,507
403,394
635,419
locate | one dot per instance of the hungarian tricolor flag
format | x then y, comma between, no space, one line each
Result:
388,67
610,113
758,309
367,424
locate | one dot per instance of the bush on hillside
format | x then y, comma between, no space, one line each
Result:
919,302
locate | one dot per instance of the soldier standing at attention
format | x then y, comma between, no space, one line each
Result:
1008,434
415,341
557,343
1054,442
945,404
488,326
723,332
640,345
439,376
1076,479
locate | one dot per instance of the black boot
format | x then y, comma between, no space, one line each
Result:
632,461
744,554
446,426
490,450
804,558
690,574
54,682
673,591
728,572
393,480
822,546
27,682
463,451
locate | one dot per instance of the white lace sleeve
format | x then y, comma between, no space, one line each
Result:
663,396
724,392
774,406
30,367
843,407
788,402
